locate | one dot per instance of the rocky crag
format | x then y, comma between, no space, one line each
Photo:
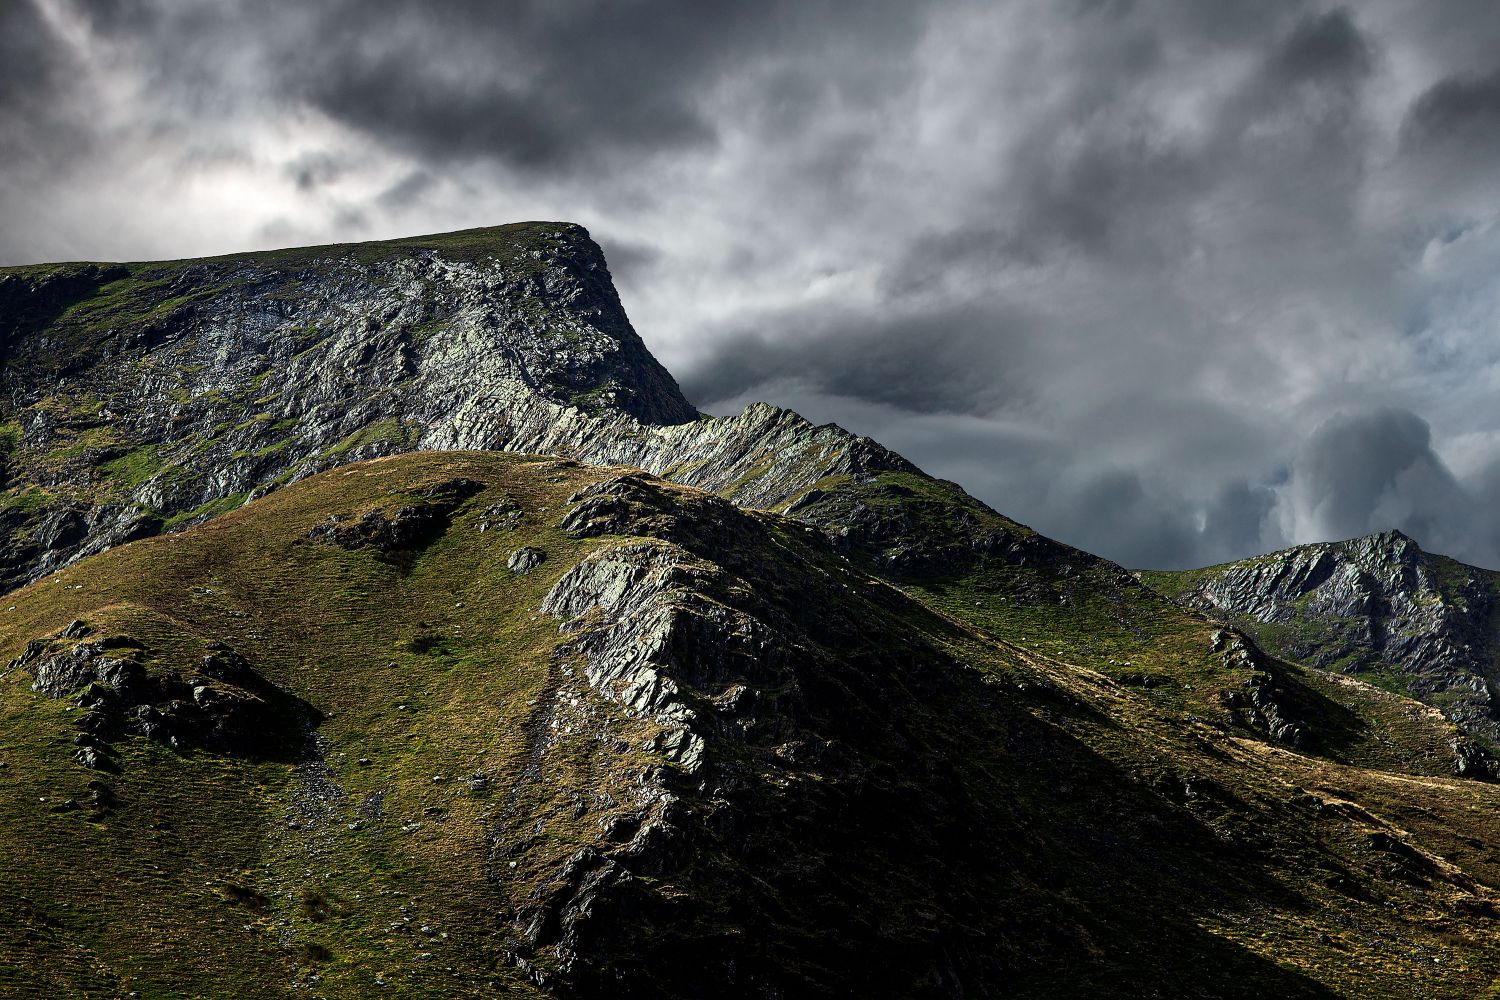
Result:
1377,608
139,398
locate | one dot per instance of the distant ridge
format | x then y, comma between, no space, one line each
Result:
1377,608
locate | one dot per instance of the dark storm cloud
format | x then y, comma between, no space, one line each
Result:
1354,465
1374,470
473,86
407,190
1176,281
315,170
534,84
1113,509
28,69
1322,46
629,262
884,360
1460,114
1237,521
37,106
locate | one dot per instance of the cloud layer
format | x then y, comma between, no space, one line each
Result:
1173,281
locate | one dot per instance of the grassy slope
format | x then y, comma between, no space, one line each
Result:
343,627
1379,765
488,241
197,876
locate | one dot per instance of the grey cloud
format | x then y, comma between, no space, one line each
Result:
28,69
39,116
1112,509
1461,112
1353,464
1104,262
1323,46
629,261
556,86
1111,176
407,190
1370,471
943,359
1237,521
315,170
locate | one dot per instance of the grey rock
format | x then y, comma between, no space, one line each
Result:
231,711
75,630
1264,703
407,529
348,356
342,357
91,759
1377,603
524,560
504,516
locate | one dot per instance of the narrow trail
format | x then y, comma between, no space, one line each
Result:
538,733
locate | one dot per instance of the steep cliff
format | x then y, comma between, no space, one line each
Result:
1378,608
142,397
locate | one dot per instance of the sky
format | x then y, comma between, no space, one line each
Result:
1176,282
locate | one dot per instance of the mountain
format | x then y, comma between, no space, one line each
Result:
1377,608
444,651
138,398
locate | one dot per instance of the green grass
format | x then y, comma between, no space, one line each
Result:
212,508
997,772
27,498
390,429
510,243
177,592
134,467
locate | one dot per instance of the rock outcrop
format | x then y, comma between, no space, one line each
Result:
221,705
1376,607
147,397
764,702
134,398
399,533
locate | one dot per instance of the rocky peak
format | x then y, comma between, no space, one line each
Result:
1395,543
139,398
1377,607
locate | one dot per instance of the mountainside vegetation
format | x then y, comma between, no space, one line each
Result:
448,652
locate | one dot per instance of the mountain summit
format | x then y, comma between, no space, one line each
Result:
381,621
144,397
1377,608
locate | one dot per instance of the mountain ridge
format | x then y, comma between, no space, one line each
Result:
1377,606
508,338
683,706
690,729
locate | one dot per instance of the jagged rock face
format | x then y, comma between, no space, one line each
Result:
1374,605
1260,705
771,705
133,396
146,397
